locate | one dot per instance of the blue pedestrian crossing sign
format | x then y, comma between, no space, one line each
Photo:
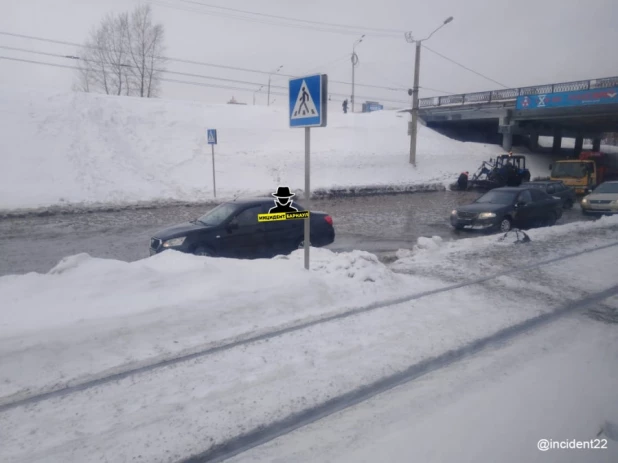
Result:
308,101
212,136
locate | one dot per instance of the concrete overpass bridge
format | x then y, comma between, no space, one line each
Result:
583,109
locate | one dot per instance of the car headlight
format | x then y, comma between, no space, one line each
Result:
174,242
454,212
486,215
614,203
585,201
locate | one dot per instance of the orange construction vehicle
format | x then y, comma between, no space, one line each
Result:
583,174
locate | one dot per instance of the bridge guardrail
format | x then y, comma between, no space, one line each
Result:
511,94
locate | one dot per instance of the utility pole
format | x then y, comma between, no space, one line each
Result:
417,68
258,90
269,77
354,60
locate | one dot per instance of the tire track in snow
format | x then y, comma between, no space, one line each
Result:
264,434
8,403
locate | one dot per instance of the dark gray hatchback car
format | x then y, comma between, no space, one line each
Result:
232,229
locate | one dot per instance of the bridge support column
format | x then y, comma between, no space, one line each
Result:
534,141
507,141
557,146
596,144
579,145
507,127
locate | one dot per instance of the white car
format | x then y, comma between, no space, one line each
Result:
602,200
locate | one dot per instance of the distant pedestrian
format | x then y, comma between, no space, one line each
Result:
462,181
345,106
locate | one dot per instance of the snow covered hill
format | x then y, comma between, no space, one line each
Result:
83,149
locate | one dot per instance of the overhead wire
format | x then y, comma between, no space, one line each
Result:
287,18
465,67
192,75
186,61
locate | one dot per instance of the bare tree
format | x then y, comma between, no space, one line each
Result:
122,56
146,49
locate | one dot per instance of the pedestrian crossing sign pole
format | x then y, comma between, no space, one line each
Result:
212,141
308,108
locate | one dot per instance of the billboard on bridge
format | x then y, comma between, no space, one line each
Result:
569,99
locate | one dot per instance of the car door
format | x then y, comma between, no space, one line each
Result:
543,204
525,208
243,236
282,236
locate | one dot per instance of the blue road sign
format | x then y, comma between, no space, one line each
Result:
569,99
212,136
308,101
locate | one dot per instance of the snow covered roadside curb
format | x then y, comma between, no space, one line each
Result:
320,193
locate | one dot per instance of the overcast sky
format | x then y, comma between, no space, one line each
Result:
516,43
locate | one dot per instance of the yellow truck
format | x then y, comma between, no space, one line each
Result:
583,174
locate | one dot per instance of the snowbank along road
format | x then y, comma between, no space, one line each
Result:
377,224
233,398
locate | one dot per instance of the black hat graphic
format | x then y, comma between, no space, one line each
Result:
283,192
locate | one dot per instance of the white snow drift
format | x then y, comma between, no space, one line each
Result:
85,149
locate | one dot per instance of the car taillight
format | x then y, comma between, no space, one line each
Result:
329,219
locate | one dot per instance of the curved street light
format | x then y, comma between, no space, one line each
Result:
354,60
417,64
269,77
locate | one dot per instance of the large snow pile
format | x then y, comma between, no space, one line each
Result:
85,149
173,302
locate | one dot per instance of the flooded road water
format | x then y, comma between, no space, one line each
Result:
378,224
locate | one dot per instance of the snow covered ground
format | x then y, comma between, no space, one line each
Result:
556,384
75,149
89,317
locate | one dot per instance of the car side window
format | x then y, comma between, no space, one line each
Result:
551,189
524,197
248,216
538,195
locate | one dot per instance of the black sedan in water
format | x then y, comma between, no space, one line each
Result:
504,208
556,188
232,229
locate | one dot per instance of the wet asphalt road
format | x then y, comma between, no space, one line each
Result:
378,224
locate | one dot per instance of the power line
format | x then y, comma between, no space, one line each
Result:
194,83
465,67
185,61
203,84
319,27
186,74
364,28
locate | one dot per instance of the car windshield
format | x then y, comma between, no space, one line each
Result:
569,169
607,188
497,197
219,214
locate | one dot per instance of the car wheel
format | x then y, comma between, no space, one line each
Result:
203,251
568,204
505,225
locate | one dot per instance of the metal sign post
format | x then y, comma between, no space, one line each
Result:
212,141
307,240
308,106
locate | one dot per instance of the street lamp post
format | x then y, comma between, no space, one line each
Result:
269,77
417,64
258,90
354,64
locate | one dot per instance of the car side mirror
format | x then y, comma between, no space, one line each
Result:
520,203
